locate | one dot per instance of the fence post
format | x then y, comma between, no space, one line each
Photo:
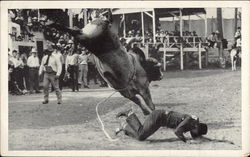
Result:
181,55
164,57
199,50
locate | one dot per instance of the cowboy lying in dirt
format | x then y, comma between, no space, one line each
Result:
182,123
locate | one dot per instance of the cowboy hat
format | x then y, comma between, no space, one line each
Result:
70,42
201,129
49,48
33,50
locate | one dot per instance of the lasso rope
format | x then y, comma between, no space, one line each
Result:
116,90
100,120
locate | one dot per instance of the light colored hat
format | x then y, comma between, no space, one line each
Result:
70,42
49,48
33,50
58,44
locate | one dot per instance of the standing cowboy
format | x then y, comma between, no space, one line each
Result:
33,64
83,68
52,68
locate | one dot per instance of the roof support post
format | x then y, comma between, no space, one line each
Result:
189,24
142,29
85,12
181,46
70,18
154,28
38,14
205,25
124,26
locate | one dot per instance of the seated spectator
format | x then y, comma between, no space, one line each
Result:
130,34
211,40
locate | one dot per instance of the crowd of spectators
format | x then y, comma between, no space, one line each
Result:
168,37
78,66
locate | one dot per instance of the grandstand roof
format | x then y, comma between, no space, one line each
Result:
161,12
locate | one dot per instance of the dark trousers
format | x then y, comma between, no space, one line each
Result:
61,82
34,79
26,77
73,72
18,77
152,123
92,73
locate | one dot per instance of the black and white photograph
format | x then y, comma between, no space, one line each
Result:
122,78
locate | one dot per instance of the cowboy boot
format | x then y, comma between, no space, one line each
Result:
123,113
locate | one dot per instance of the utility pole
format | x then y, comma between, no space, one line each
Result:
219,22
220,29
220,37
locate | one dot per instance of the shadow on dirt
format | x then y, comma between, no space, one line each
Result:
190,140
220,125
169,105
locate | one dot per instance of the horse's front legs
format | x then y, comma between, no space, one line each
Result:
145,110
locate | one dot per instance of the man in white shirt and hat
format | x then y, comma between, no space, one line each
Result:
52,68
33,64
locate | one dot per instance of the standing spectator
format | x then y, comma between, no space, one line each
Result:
92,72
33,64
24,59
71,65
83,67
18,70
57,53
52,68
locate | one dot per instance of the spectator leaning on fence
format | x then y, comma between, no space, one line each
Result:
33,64
52,68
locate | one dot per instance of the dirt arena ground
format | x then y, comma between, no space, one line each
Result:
212,95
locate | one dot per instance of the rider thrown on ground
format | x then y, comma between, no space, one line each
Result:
182,123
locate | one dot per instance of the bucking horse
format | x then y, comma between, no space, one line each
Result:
126,70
